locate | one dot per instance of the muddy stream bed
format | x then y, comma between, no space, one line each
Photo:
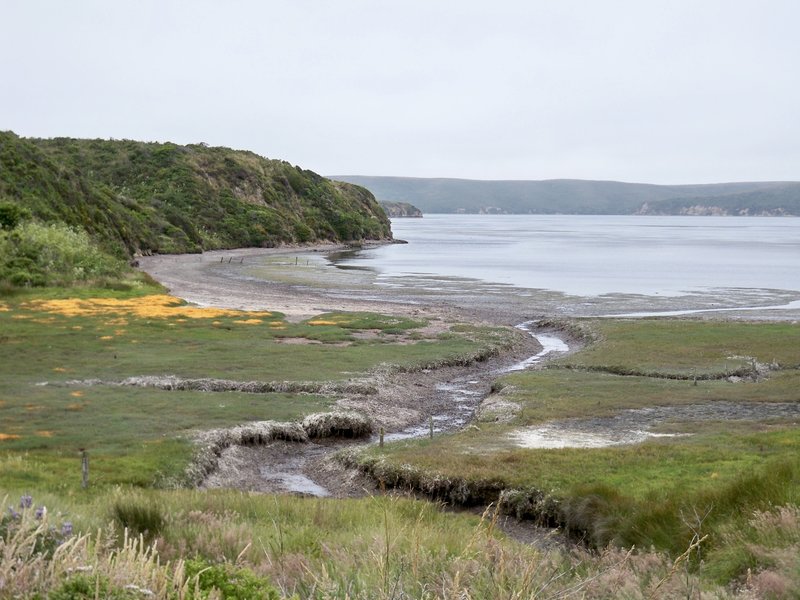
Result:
307,468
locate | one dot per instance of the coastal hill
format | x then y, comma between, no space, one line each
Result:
575,196
137,197
400,210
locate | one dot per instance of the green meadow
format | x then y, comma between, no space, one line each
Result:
61,354
712,512
662,493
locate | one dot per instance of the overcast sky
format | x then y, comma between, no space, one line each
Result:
661,91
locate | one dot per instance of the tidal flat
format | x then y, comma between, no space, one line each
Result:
707,490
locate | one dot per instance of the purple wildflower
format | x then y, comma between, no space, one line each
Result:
39,513
66,529
13,513
26,501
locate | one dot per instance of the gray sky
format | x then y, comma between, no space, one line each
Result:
662,91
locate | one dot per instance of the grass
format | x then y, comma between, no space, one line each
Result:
562,393
156,335
377,547
138,435
736,482
687,347
659,493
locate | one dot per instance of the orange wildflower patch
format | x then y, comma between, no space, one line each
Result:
9,436
317,322
77,327
45,433
59,369
106,337
75,406
249,322
33,407
4,307
156,306
76,394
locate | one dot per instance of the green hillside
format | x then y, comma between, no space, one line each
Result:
775,200
136,197
574,196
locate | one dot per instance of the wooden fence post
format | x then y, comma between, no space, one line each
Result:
84,469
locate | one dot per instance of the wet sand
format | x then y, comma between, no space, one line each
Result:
303,281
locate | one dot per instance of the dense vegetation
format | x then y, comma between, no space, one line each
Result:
136,197
572,196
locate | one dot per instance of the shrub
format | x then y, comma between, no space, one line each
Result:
84,587
35,255
11,214
233,583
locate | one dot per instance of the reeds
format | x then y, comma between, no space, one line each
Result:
174,383
337,424
42,558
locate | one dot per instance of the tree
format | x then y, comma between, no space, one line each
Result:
11,214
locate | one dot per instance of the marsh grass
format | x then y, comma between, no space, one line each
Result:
379,547
337,424
232,364
145,518
675,347
664,493
366,320
565,393
104,564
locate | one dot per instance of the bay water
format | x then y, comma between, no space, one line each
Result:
594,255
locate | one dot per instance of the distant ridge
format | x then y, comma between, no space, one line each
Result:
577,196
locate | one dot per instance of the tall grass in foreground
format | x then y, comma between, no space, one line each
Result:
235,545
40,561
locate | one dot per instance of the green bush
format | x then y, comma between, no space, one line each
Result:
11,214
84,587
34,255
233,583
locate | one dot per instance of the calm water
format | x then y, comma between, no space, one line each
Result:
595,255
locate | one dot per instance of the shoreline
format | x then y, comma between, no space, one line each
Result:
223,279
405,398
